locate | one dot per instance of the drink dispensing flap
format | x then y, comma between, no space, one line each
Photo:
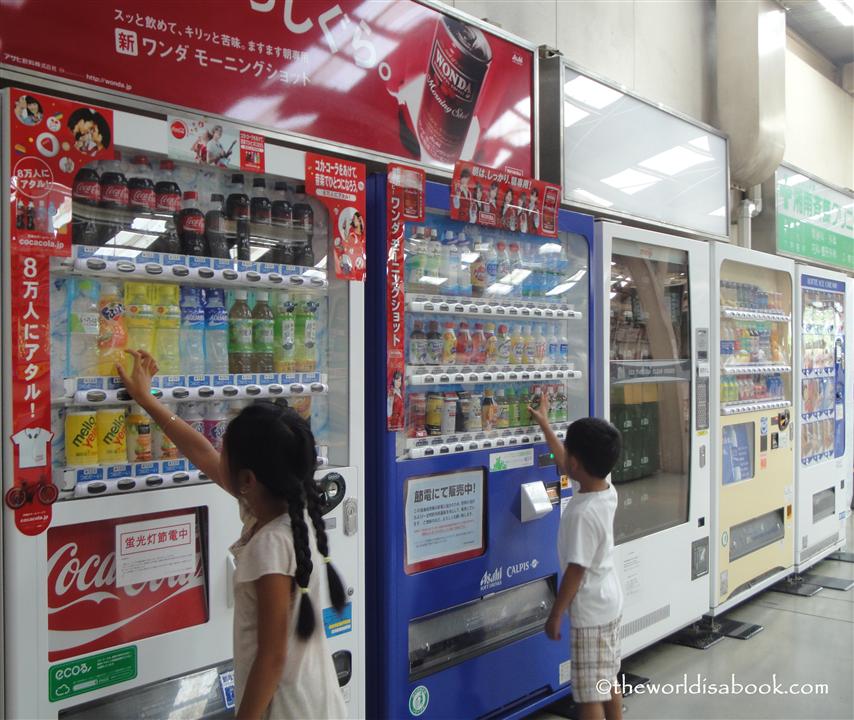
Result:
535,501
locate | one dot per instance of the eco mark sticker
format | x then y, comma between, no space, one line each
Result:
419,698
510,460
91,673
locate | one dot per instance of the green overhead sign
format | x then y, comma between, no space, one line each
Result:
814,222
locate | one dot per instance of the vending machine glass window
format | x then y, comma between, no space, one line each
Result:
494,319
650,387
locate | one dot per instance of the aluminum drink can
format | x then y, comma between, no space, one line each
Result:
459,59
473,420
449,414
81,438
435,406
417,415
112,436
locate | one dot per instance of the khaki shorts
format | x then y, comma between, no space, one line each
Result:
595,661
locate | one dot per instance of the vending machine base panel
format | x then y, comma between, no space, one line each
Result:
699,636
831,583
842,557
736,629
796,585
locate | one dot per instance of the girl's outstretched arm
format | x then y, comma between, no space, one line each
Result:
274,613
190,442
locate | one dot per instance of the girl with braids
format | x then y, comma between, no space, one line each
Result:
282,667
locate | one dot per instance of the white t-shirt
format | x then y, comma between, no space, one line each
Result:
32,447
309,686
586,538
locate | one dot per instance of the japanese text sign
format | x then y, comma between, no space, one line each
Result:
404,203
155,549
502,199
814,222
398,78
213,142
444,519
340,186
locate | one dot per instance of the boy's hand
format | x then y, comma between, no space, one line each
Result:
553,627
541,414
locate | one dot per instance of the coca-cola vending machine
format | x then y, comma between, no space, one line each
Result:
205,244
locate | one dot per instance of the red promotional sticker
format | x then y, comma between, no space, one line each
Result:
52,139
404,203
504,200
340,186
88,612
209,141
400,78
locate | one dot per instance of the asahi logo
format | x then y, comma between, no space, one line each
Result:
517,59
490,579
452,75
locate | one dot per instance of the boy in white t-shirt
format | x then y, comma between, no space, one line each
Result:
590,588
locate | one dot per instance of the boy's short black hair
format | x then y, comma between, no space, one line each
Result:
596,443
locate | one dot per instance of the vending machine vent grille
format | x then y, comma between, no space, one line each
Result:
819,546
642,623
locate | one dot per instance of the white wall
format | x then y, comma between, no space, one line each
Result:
819,124
661,49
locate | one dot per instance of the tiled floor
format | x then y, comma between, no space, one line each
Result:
805,640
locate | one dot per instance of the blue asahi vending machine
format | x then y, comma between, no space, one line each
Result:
465,496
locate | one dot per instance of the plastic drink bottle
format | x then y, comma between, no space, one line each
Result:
139,440
260,208
237,209
240,335
167,194
478,345
192,331
215,423
517,346
282,217
515,258
529,356
477,271
491,266
191,226
139,316
85,194
503,259
114,197
503,349
447,269
161,445
306,335
263,332
167,329
540,346
284,336
112,330
59,336
564,350
415,256
83,324
417,344
488,411
449,345
434,255
502,414
193,413
491,344
141,196
434,344
215,235
554,348
216,332
464,278
524,412
512,407
464,345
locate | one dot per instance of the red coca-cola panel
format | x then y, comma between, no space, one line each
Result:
395,76
87,612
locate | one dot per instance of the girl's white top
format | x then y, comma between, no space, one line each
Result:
308,687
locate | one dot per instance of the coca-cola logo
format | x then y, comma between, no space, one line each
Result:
87,190
142,197
115,193
452,75
193,223
178,128
169,203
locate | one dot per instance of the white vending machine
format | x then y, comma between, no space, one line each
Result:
231,293
654,386
753,484
822,389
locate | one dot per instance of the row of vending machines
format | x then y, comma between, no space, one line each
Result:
723,368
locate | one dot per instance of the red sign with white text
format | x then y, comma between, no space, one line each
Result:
340,186
87,612
51,140
504,200
405,203
397,77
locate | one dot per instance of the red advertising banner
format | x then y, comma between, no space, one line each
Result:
504,200
87,612
340,186
405,203
52,139
398,77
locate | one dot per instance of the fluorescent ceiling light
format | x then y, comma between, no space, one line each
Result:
796,180
720,212
591,93
469,258
499,289
561,289
582,194
572,114
675,160
701,143
631,181
430,280
580,274
842,10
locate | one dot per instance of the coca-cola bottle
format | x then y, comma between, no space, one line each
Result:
237,210
282,218
141,196
260,210
191,226
167,201
215,228
85,194
303,218
114,198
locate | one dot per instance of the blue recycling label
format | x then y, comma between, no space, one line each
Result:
89,474
115,472
147,468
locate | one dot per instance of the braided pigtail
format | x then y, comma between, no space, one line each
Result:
336,587
302,548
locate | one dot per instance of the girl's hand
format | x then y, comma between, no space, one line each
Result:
553,627
138,382
541,413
